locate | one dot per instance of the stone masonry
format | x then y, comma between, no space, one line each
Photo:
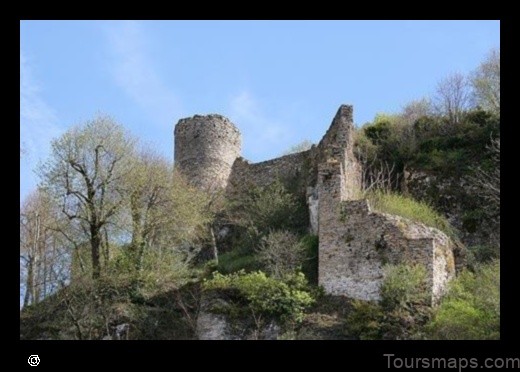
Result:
354,242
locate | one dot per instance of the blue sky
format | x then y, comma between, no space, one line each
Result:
279,82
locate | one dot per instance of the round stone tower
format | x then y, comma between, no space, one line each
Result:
206,148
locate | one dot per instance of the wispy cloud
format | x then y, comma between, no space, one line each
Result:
38,124
263,137
133,71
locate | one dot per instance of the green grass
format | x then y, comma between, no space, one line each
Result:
409,208
236,260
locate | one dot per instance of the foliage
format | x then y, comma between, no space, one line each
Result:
83,174
281,253
43,253
237,260
258,210
486,82
404,307
310,264
284,299
409,208
471,310
364,320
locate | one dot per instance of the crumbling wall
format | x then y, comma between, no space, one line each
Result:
289,168
354,242
358,242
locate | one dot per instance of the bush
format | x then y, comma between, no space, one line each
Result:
237,260
310,264
409,208
471,310
404,307
282,299
404,286
281,253
262,209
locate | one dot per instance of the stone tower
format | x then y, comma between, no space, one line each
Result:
206,148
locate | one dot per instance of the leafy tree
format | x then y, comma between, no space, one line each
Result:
486,82
85,174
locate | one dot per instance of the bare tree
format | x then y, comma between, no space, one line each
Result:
85,175
486,82
281,252
452,97
415,110
42,253
488,181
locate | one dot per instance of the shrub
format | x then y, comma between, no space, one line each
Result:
262,209
404,286
281,253
237,260
471,310
310,264
409,208
403,309
283,299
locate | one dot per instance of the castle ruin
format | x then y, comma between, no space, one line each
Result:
354,241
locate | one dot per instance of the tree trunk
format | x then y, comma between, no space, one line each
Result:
95,243
29,283
213,244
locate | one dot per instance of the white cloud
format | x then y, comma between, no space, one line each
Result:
263,137
38,125
132,69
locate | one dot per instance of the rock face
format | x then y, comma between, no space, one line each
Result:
354,242
218,326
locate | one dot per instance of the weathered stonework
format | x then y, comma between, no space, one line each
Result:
206,148
354,242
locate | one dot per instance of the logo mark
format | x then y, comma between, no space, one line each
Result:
33,360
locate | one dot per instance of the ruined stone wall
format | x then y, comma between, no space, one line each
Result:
293,167
206,148
356,243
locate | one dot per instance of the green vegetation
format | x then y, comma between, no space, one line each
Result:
404,307
113,247
236,260
281,253
471,310
282,299
406,207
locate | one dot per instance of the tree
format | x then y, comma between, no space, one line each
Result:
85,174
415,110
281,252
452,97
148,187
164,210
41,248
486,82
